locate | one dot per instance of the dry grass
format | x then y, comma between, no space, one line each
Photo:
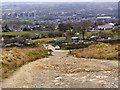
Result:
14,57
98,51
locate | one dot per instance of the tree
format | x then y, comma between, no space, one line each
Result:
6,28
38,28
26,29
68,34
54,34
64,27
50,27
82,27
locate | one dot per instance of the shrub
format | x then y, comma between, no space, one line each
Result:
54,34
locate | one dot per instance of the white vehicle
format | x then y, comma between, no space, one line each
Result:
81,41
47,46
57,47
75,39
109,38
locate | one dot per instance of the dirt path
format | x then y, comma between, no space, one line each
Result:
63,71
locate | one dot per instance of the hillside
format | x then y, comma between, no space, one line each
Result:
98,51
15,57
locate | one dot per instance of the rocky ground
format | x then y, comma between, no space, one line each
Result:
64,71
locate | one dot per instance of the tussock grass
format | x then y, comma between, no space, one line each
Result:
14,57
98,51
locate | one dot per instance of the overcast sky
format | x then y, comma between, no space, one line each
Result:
60,0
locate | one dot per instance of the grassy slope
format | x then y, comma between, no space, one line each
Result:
114,34
14,57
98,51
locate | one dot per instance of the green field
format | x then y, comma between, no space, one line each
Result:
46,40
87,34
23,33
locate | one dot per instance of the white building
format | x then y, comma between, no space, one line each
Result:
106,26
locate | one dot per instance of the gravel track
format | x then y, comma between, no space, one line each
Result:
63,71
